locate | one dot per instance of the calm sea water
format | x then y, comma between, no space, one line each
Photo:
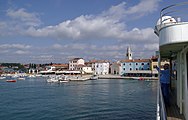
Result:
34,99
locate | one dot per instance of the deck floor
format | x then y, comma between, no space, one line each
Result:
173,110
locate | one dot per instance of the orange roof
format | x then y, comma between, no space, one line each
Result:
81,65
136,60
60,65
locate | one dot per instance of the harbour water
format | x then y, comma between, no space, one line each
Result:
105,99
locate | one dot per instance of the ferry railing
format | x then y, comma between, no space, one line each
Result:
175,11
161,110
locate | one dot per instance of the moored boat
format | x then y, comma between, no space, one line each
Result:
77,78
21,78
94,77
10,80
59,79
2,77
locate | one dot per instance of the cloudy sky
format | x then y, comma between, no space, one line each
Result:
43,31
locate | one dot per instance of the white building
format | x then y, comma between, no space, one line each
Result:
87,70
74,63
115,68
100,67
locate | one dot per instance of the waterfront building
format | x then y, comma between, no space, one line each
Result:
115,68
99,67
60,67
135,66
154,63
86,70
75,62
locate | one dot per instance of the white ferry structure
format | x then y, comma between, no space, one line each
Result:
173,46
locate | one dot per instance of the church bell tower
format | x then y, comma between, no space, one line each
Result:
129,54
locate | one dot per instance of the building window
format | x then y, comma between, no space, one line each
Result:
136,68
130,64
123,63
142,63
136,63
142,69
130,69
123,68
148,63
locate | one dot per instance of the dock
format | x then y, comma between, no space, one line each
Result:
109,76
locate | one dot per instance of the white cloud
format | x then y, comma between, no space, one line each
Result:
151,47
14,46
21,52
42,58
25,17
14,49
57,46
143,8
110,24
107,25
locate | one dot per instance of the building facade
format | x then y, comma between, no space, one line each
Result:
99,67
115,68
135,66
75,63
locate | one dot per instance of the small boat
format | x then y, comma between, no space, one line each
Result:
1,78
52,80
59,79
141,78
137,78
21,78
10,80
78,78
94,77
63,81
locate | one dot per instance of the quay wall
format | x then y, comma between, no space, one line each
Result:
125,77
